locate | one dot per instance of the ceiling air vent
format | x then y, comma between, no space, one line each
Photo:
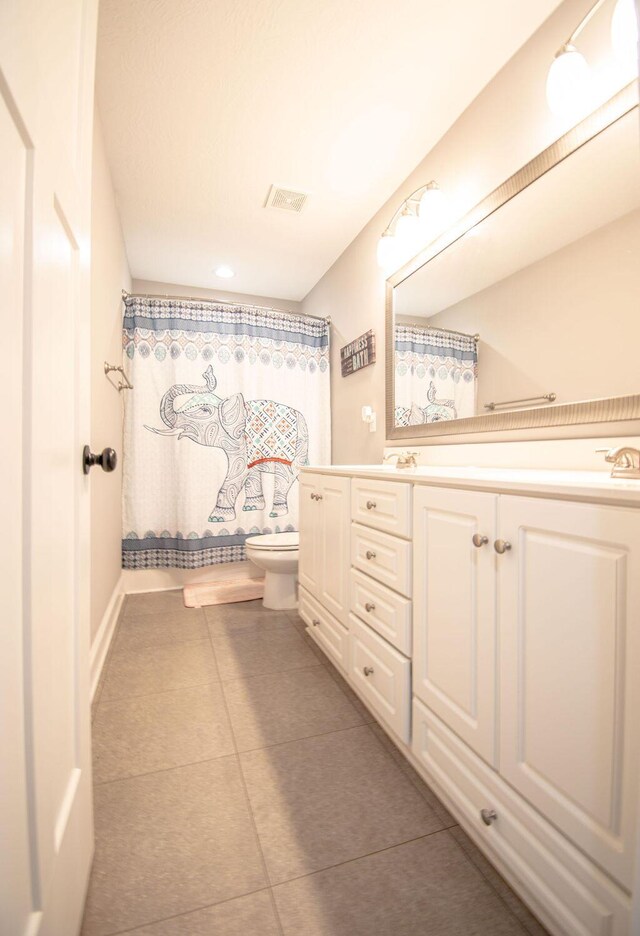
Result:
286,199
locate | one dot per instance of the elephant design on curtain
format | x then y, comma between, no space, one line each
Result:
257,436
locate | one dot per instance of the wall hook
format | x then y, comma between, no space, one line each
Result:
123,384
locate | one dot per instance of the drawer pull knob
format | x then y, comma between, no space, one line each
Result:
501,546
370,554
318,496
315,622
368,670
371,505
369,606
488,816
314,497
479,540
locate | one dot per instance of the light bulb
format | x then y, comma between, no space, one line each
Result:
569,84
225,272
624,35
431,210
408,234
388,255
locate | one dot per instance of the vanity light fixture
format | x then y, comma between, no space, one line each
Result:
225,272
411,227
570,82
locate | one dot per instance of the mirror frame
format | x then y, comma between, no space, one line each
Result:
606,409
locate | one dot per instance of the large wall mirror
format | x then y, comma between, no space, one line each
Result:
527,313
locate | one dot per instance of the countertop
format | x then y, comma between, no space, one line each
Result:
595,486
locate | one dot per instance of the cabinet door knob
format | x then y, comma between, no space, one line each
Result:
318,496
479,540
370,554
501,546
488,816
315,622
313,496
371,505
369,606
368,670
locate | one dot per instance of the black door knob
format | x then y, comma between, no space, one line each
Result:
107,459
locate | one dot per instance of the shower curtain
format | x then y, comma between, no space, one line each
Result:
435,375
228,403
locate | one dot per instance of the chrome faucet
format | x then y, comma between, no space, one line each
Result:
404,459
625,461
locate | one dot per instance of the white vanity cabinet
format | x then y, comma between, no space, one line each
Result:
494,631
323,569
455,635
569,598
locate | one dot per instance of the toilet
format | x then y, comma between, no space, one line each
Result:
277,554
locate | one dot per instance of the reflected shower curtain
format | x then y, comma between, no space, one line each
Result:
228,403
435,375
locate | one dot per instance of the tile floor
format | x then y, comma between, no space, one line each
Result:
242,788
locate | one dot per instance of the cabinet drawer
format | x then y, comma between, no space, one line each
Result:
384,505
328,633
561,885
382,676
386,612
385,558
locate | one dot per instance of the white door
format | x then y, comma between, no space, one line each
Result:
454,616
334,545
309,523
569,595
47,50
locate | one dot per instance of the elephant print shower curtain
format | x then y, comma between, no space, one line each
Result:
435,375
228,404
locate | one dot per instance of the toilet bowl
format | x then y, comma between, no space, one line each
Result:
277,554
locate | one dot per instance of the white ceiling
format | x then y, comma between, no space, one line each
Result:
206,103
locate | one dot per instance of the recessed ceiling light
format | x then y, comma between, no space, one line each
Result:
225,272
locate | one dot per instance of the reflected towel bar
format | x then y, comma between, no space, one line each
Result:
545,398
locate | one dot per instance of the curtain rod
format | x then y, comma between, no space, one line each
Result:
449,331
223,302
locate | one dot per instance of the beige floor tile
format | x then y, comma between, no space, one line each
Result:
154,602
355,700
422,887
156,732
423,788
244,916
169,842
498,883
156,669
152,630
320,801
265,710
255,652
234,618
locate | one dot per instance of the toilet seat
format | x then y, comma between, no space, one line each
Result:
275,542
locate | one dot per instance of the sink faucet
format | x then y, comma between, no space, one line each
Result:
625,461
404,459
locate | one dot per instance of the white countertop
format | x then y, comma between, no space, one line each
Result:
597,486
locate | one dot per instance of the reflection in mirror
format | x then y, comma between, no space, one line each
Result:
550,283
436,373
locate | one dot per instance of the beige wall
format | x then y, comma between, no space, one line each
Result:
109,275
136,580
507,125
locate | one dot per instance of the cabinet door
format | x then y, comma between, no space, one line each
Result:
569,594
334,545
454,623
309,523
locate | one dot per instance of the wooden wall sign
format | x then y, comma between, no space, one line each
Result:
358,354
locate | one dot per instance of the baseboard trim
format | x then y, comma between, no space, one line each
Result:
102,641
